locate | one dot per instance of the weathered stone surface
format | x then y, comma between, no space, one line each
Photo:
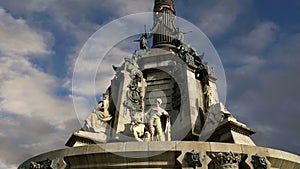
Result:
225,147
239,138
165,155
231,131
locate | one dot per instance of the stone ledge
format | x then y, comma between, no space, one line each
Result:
160,155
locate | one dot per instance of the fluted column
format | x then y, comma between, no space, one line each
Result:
164,29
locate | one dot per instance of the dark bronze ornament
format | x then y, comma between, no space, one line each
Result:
259,162
193,159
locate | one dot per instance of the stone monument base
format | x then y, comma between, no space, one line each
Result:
162,155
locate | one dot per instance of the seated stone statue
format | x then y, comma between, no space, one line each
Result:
97,121
158,122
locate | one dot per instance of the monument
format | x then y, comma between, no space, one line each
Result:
162,110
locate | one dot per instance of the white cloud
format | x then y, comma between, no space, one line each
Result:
32,115
30,136
264,85
286,51
25,89
135,6
245,50
218,17
18,38
28,91
99,53
249,65
260,37
29,105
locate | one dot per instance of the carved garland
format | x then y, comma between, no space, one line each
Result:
226,160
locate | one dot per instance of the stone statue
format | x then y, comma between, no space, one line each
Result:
106,104
144,39
180,35
139,131
97,121
158,121
47,164
143,42
208,96
129,64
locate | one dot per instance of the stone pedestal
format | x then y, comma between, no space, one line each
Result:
169,77
166,155
232,131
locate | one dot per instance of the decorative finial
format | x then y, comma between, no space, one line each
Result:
160,4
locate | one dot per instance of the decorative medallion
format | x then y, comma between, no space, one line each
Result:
259,162
193,159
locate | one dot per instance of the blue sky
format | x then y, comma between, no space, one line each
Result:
258,43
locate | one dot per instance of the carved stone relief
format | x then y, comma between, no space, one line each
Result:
225,160
46,164
135,89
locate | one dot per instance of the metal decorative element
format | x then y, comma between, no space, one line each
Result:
202,73
134,102
135,91
193,159
143,41
226,160
164,29
189,55
259,162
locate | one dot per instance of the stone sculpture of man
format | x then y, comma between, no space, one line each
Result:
139,132
153,117
208,96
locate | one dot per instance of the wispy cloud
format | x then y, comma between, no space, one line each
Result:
261,70
259,38
17,38
214,17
